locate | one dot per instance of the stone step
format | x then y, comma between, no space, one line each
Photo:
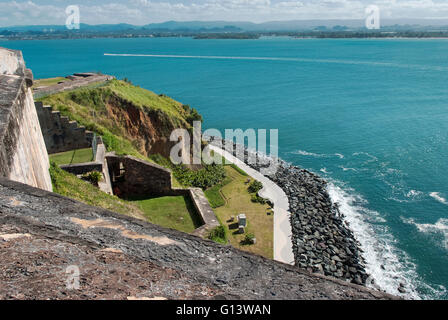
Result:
47,107
73,124
65,120
82,129
56,114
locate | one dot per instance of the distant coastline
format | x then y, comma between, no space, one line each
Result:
64,34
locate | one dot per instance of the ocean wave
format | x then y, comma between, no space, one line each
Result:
387,265
438,197
368,155
347,169
410,196
414,194
317,155
440,227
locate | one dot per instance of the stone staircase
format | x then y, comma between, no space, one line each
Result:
60,133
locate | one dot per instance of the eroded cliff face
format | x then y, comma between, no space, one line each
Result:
149,130
132,120
23,155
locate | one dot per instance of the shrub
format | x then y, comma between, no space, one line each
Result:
193,114
127,80
248,239
255,186
257,199
218,234
204,178
93,176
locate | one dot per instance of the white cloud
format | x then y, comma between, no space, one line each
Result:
28,12
150,11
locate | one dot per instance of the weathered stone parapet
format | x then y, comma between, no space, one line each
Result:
105,185
226,270
205,210
23,155
12,62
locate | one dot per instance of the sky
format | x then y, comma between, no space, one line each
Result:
140,12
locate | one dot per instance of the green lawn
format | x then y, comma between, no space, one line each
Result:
175,212
78,156
237,199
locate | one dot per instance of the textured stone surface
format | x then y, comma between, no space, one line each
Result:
23,156
205,211
54,221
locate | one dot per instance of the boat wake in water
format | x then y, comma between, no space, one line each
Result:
291,59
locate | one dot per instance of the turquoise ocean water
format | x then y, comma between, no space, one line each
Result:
369,115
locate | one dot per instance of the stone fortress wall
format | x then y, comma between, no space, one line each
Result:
61,134
23,155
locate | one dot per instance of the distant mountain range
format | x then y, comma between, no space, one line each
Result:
242,26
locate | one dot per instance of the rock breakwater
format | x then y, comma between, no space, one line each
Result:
322,241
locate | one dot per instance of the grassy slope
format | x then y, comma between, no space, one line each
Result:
146,99
69,185
238,200
80,156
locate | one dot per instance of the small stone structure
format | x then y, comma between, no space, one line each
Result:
61,134
135,177
242,221
99,164
75,81
23,156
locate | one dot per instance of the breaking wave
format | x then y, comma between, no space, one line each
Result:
317,155
440,227
438,197
387,265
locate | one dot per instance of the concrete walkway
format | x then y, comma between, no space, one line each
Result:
282,226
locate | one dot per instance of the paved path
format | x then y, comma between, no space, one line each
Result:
282,226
